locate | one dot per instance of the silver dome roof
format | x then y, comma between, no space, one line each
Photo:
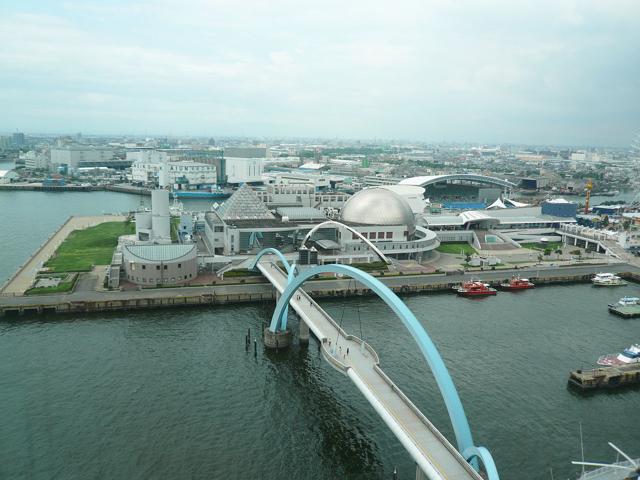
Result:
378,206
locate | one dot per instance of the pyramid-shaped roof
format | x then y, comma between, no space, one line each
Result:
244,204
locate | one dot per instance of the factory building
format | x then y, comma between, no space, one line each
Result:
35,160
244,170
560,208
80,156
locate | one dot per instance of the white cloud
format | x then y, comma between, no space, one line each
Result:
425,69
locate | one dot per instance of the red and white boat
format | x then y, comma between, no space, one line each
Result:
474,288
517,283
628,355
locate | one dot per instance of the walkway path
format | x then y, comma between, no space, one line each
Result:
433,453
24,277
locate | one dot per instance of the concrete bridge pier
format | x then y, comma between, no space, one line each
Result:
303,334
277,340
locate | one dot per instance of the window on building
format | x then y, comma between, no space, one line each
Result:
144,267
354,236
389,235
165,267
179,265
381,235
157,267
372,235
364,234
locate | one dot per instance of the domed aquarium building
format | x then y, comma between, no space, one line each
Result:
387,220
372,222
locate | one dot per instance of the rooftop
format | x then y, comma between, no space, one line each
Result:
160,253
244,204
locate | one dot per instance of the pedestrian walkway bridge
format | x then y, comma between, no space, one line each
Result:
435,456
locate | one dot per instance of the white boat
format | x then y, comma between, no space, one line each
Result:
628,355
626,302
607,280
628,469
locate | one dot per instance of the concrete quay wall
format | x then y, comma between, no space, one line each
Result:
240,293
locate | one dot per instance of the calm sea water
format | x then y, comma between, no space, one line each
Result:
174,394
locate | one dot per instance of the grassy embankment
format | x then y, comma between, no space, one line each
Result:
456,248
83,249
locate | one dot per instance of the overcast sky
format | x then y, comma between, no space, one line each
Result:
556,72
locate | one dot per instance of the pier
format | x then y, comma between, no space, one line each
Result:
627,311
606,377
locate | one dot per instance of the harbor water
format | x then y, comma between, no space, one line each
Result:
175,394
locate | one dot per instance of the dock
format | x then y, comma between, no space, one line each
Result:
628,311
606,377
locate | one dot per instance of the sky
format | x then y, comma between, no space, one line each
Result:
535,72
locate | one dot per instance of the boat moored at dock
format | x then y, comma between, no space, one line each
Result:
627,356
626,302
607,280
474,288
517,283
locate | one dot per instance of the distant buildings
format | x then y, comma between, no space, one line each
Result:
244,170
560,208
35,160
184,174
245,152
80,156
18,139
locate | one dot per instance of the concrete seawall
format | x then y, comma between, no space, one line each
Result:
256,292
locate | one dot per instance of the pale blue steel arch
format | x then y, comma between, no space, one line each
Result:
291,272
426,345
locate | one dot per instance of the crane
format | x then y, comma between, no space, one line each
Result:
588,187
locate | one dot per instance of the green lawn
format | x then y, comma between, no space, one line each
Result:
456,248
241,272
62,287
542,246
92,246
371,266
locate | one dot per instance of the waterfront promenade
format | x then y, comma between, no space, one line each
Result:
433,453
94,301
26,274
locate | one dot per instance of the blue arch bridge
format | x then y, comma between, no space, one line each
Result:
436,458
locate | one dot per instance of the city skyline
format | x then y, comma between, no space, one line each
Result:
554,74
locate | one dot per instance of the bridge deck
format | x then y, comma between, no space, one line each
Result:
435,456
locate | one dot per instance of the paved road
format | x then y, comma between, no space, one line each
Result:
313,286
437,458
24,278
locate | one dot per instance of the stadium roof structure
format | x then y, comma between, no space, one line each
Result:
469,177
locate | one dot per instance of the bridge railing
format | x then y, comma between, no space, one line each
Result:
425,421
